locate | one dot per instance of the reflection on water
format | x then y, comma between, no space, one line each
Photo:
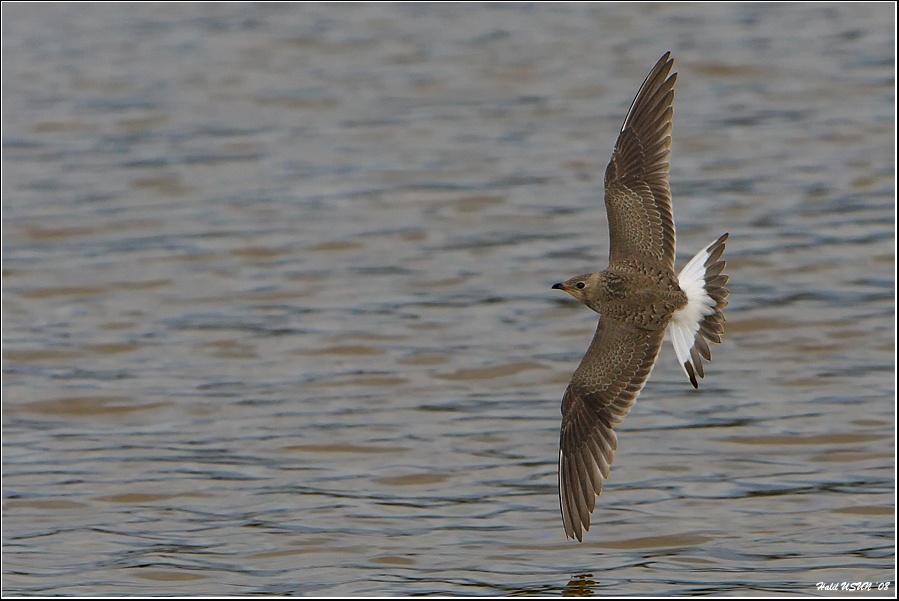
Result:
276,306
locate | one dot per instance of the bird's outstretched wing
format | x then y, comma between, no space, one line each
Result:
602,391
638,199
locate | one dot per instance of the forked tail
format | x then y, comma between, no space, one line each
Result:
703,317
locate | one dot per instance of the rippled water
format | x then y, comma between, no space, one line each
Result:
277,316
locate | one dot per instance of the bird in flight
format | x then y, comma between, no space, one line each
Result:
639,298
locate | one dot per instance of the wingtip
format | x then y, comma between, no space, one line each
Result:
578,533
668,61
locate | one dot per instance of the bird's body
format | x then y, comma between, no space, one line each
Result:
639,298
646,301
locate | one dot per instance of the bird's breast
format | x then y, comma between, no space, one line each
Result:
644,301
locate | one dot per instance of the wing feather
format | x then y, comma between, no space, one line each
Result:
602,390
638,198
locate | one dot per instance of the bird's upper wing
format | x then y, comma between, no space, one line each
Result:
638,199
602,391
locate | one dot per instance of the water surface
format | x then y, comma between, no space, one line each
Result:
277,313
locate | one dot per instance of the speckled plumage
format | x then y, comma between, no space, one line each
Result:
638,297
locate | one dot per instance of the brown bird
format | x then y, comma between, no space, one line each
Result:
639,298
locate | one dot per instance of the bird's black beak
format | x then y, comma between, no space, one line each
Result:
558,286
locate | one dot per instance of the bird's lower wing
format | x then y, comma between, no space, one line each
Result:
602,391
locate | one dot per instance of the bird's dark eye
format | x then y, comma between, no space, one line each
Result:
580,285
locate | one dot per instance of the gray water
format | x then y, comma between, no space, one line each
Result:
277,313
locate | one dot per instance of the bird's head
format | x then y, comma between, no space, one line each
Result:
584,287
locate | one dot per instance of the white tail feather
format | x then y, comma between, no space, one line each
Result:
685,322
